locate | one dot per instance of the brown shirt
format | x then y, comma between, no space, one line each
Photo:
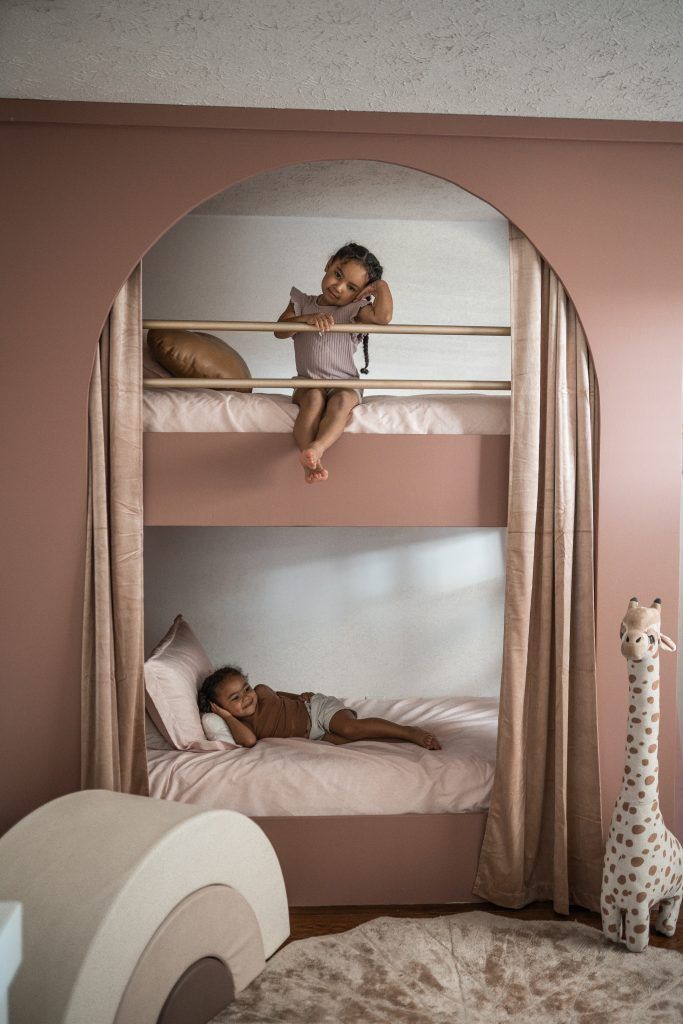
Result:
278,715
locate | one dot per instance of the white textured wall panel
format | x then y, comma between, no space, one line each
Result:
355,611
584,58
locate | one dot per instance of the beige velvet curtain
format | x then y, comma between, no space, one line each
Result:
543,836
112,692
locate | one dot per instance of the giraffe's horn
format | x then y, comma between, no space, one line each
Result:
633,603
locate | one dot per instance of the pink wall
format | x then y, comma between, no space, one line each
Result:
91,187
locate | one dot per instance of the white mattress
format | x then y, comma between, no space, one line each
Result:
206,411
303,777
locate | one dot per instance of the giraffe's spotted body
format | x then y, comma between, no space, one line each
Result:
643,865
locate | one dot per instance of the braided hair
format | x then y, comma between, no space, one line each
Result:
207,691
374,270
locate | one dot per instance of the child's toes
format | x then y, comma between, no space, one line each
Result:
308,459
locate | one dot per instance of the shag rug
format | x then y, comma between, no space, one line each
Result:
469,968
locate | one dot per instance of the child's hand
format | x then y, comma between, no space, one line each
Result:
375,289
218,710
323,321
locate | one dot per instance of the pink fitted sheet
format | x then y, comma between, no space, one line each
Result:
304,777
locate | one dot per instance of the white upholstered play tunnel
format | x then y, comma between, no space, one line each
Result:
138,911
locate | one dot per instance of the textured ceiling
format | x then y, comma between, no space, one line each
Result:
583,58
350,188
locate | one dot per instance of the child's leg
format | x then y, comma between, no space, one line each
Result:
339,406
344,724
311,402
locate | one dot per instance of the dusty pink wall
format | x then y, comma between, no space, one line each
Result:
90,187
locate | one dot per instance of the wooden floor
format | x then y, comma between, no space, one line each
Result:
309,921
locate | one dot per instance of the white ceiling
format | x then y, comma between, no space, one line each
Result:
347,189
585,58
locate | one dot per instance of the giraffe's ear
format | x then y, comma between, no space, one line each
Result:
666,642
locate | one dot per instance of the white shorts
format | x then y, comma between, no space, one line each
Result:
321,710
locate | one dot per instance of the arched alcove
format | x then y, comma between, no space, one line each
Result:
120,176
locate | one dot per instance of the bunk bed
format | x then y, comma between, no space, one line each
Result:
225,466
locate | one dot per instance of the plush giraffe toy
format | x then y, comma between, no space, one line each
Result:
643,864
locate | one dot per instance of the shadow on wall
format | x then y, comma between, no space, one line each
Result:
290,546
378,611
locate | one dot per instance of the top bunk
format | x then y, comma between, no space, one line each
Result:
214,455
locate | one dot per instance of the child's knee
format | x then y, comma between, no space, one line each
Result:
312,400
344,723
343,401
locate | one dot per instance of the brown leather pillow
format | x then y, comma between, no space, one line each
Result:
196,354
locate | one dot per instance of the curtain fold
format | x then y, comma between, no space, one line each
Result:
543,837
112,681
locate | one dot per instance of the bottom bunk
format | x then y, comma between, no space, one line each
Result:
366,823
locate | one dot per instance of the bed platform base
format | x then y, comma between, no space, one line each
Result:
377,859
227,479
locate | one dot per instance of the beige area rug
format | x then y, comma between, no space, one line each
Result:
470,968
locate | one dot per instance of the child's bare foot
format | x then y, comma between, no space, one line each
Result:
311,456
423,739
312,476
313,467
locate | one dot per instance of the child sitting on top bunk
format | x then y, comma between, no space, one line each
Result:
352,291
256,713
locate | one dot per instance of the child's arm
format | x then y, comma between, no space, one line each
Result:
241,733
382,309
324,322
299,696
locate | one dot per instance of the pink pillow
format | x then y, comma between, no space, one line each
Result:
174,672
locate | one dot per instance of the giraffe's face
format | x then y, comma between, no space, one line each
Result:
640,632
636,643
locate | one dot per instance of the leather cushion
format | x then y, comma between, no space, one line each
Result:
197,354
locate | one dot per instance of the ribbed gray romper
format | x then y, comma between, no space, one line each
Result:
326,353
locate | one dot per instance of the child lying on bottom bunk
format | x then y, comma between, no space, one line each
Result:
257,713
